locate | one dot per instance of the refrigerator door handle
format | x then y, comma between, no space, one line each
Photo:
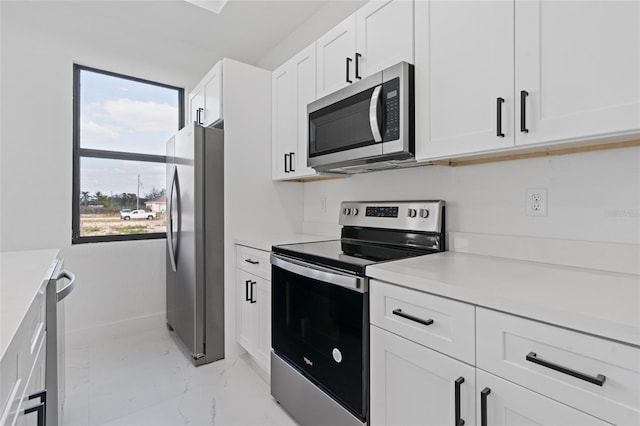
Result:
67,289
173,249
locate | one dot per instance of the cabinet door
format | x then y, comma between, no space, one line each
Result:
464,65
413,385
196,102
263,338
35,384
246,312
334,49
213,95
384,35
283,116
579,62
509,404
304,70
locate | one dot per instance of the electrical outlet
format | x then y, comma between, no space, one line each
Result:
323,204
537,202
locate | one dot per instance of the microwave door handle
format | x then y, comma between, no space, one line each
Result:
373,114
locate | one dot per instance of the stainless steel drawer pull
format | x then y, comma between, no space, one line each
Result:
251,261
597,380
399,313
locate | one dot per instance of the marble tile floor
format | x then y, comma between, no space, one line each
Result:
140,377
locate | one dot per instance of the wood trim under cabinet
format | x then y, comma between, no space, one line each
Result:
544,152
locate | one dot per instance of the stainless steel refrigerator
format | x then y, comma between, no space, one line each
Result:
195,242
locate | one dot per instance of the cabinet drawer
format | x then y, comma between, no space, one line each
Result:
20,356
407,313
254,261
547,359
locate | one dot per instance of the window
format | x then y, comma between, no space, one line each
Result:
121,126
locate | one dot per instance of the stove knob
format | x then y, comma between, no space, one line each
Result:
347,211
354,212
424,213
412,212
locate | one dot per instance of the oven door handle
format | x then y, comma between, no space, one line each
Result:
319,273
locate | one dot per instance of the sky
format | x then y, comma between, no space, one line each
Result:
123,115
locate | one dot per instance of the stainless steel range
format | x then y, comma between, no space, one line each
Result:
320,306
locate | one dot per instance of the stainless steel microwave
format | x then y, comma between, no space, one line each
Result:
368,125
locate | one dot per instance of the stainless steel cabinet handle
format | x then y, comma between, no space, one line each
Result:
597,380
348,79
286,163
358,56
67,289
373,114
199,115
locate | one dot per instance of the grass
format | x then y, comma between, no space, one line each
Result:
131,229
91,229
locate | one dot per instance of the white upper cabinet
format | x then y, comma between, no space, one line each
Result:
464,77
378,35
283,127
205,101
384,35
335,51
196,103
537,72
293,87
579,62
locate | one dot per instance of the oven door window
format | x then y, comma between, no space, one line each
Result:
342,126
321,329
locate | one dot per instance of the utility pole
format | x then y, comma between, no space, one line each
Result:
138,195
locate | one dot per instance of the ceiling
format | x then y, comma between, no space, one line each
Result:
245,30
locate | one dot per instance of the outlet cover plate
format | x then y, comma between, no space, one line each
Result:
536,202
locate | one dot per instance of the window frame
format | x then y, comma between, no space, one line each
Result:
79,152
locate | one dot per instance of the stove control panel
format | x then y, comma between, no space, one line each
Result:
402,215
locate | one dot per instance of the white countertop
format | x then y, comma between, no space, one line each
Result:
605,304
22,273
264,242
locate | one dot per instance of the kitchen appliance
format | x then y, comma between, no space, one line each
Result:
195,242
320,306
55,353
366,126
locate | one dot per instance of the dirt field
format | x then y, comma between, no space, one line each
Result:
94,224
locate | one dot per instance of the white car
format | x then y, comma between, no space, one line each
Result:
137,214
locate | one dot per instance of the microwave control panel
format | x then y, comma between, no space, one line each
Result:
391,97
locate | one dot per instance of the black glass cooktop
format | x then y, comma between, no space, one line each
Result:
348,255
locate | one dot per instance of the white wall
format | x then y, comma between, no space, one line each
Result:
116,281
593,196
322,21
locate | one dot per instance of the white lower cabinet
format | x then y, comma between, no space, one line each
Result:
521,371
414,385
502,403
253,293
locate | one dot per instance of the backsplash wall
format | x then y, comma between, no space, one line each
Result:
592,196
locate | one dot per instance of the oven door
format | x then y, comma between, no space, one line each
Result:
320,322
